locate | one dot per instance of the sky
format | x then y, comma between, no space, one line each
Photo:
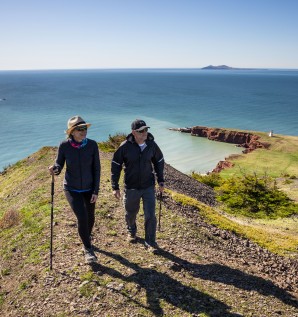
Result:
83,34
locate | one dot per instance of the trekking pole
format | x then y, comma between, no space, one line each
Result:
159,216
52,218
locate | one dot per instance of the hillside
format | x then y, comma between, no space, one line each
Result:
201,269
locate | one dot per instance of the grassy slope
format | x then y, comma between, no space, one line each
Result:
281,158
25,188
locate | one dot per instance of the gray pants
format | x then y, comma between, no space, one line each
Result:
131,201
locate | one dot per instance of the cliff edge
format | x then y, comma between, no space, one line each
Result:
247,140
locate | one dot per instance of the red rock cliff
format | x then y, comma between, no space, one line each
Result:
244,139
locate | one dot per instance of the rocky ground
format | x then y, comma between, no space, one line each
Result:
199,269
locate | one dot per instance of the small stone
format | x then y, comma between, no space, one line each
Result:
84,283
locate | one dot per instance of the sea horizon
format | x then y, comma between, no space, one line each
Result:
149,68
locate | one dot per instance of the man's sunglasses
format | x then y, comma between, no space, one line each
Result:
82,128
142,131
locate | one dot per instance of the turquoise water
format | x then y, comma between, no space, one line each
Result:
35,106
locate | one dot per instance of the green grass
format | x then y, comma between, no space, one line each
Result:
2,298
270,236
26,187
281,158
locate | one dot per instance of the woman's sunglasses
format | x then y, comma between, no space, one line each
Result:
82,128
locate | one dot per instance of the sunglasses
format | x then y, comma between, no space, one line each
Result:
142,131
82,128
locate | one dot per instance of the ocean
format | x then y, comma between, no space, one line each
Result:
35,107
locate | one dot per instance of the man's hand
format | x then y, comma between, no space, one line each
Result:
117,193
161,187
93,199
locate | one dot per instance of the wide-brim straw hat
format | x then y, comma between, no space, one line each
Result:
74,122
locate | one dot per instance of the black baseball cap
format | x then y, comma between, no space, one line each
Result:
139,125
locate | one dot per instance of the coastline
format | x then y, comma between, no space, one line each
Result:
268,146
249,140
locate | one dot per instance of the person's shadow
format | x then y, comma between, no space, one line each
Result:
160,286
226,275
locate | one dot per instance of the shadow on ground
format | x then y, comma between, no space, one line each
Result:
161,286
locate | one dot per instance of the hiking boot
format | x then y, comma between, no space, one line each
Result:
152,246
131,237
90,256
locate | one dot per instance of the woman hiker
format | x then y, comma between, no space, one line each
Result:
81,181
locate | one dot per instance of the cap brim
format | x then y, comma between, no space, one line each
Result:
142,128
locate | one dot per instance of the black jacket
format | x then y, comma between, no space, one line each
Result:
138,165
82,166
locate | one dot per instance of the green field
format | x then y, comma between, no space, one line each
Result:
279,161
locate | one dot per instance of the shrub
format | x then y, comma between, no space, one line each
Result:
213,179
256,197
9,219
112,143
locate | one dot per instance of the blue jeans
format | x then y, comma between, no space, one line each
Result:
131,201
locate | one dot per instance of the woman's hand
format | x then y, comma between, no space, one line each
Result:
53,170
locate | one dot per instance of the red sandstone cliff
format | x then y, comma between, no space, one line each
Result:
244,139
222,165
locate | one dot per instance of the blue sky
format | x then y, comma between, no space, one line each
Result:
65,34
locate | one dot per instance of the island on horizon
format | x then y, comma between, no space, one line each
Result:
225,67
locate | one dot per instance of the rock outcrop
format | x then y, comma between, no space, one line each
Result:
222,165
247,140
244,139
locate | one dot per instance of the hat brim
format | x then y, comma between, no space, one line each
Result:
142,128
68,131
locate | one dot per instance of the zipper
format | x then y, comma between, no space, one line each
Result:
80,169
140,157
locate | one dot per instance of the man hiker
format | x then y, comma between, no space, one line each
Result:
143,162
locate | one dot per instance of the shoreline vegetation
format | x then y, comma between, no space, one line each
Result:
224,263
